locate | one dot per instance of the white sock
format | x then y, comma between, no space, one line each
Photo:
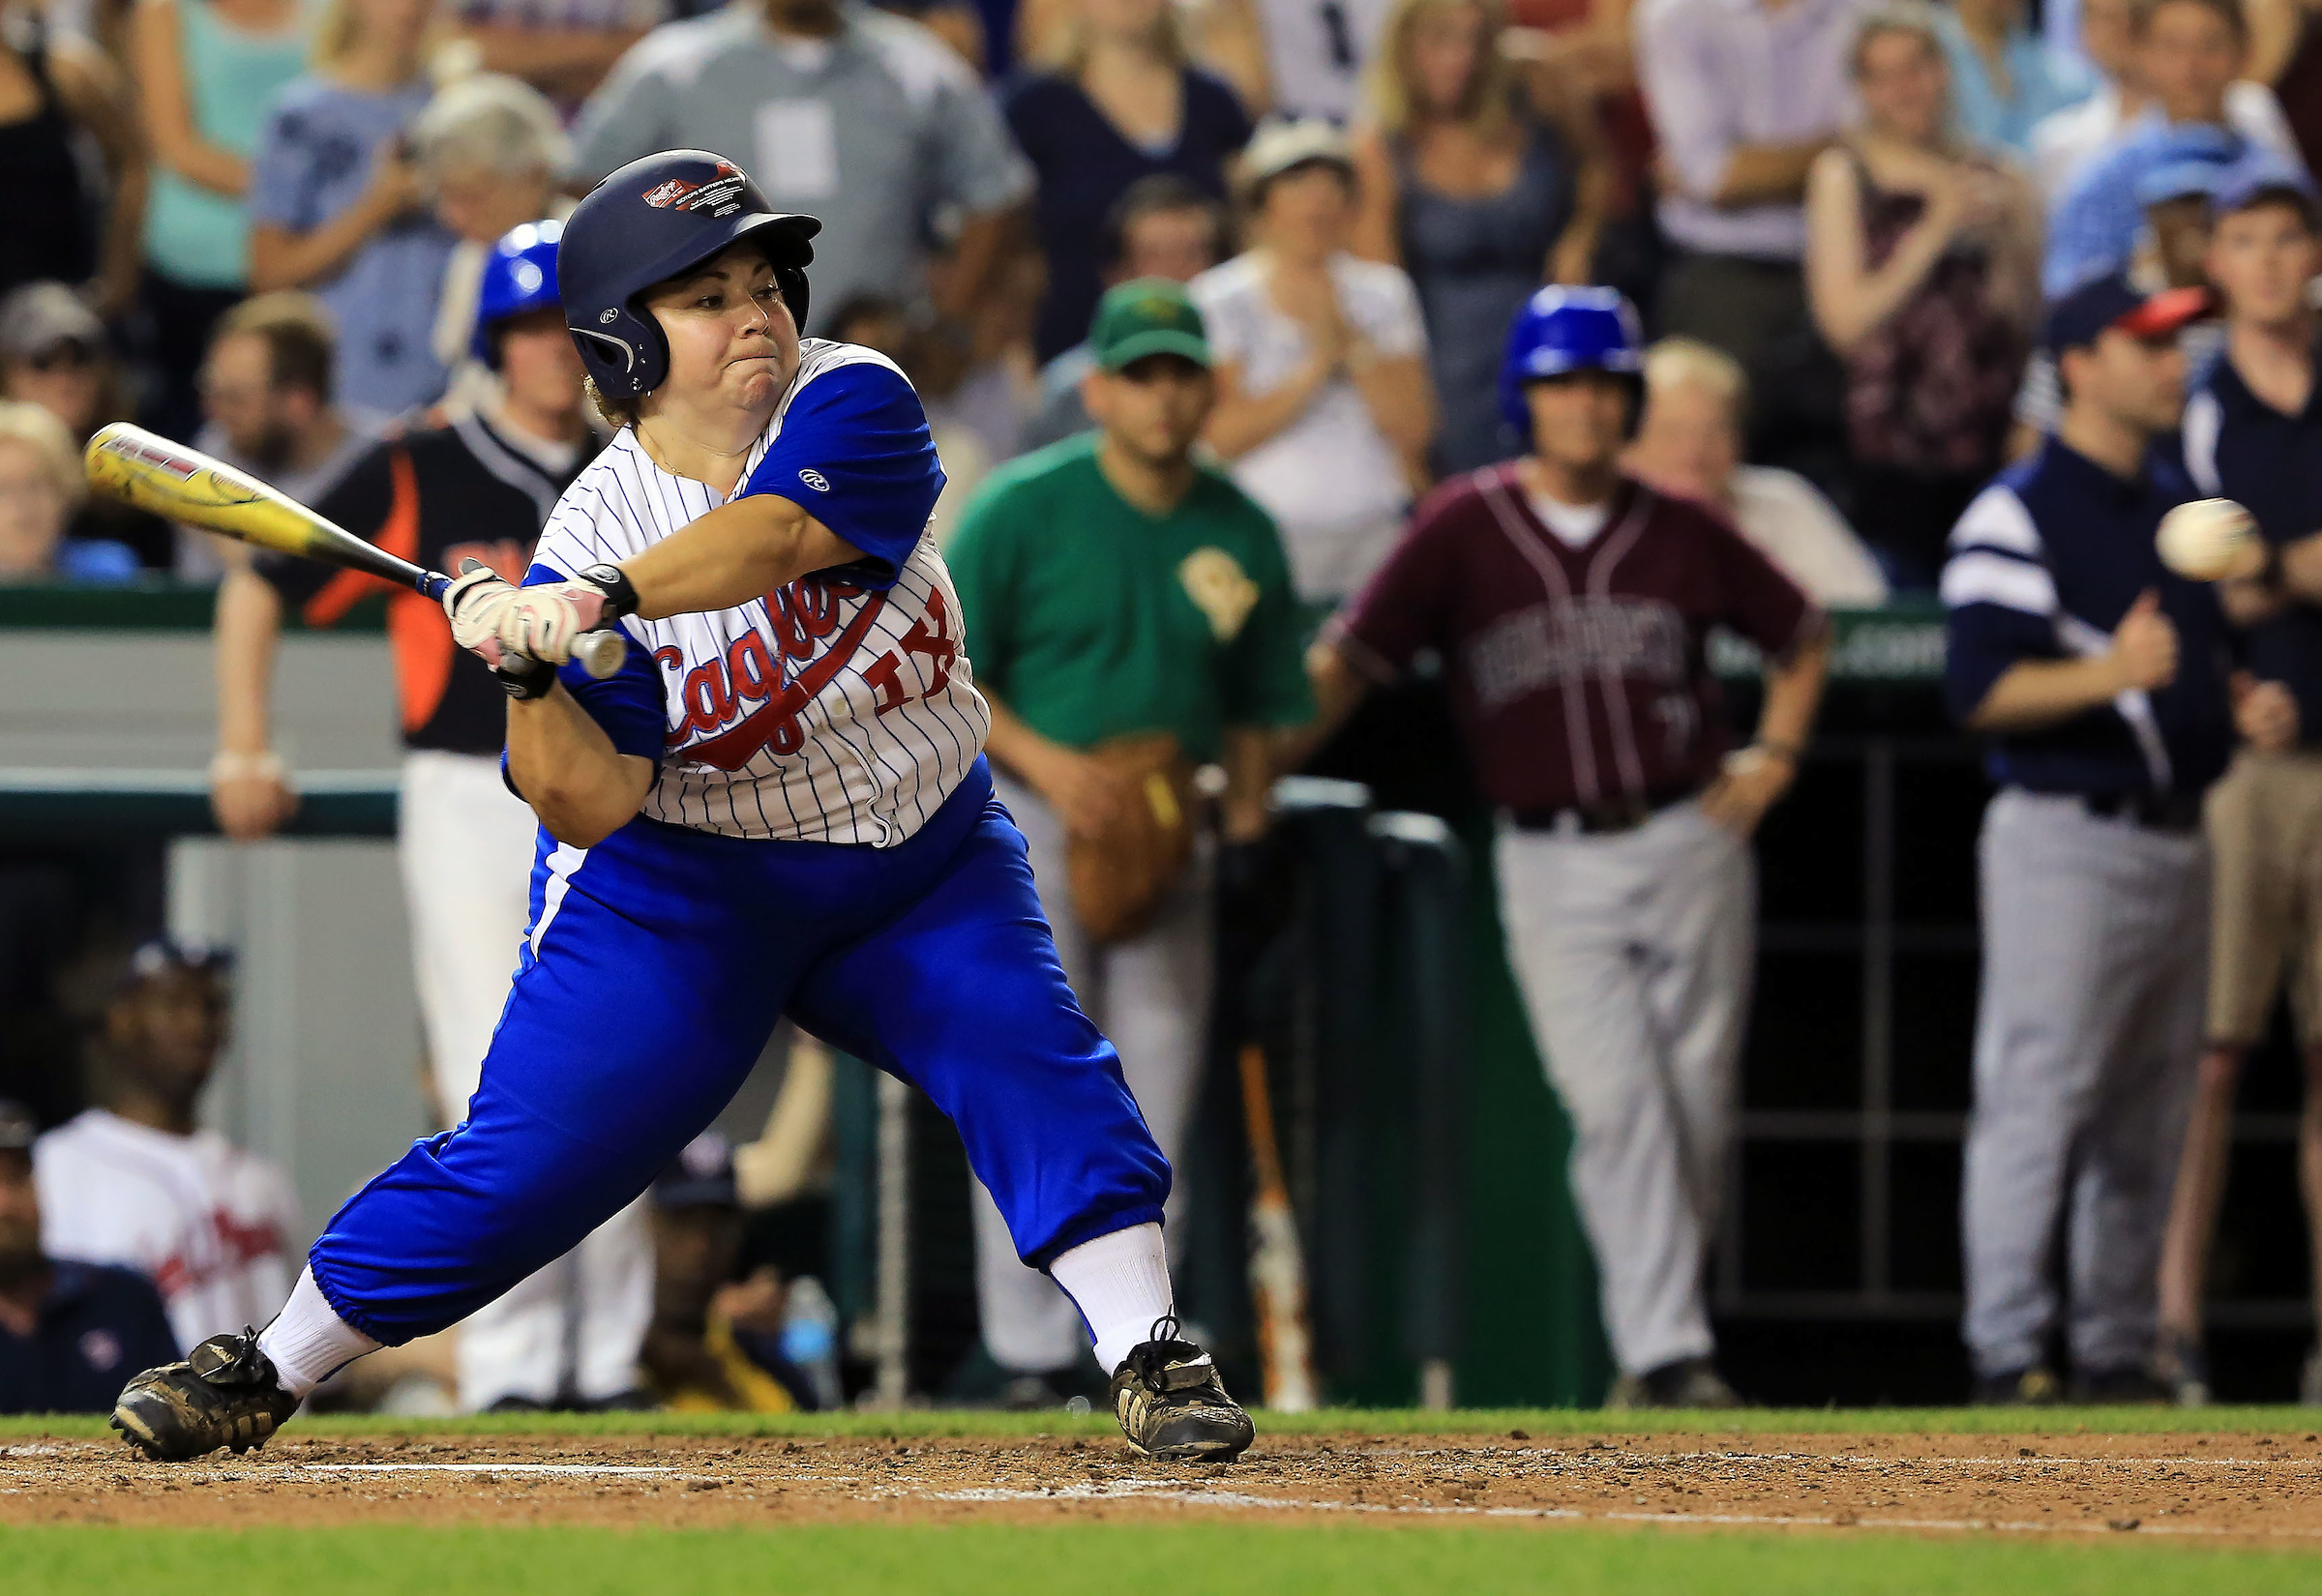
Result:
308,1343
1120,1285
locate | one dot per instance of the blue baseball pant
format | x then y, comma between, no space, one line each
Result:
657,966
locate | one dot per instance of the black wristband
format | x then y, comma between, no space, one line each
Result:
621,596
526,678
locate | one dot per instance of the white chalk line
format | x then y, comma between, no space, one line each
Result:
1603,1457
1157,1490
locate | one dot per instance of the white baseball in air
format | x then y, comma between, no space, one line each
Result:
2211,539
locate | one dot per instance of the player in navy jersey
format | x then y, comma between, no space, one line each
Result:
778,806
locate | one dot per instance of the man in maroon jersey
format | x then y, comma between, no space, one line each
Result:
1570,605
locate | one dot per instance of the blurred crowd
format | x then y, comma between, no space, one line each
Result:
1861,207
1859,260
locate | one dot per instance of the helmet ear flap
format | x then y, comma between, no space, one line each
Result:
791,280
632,352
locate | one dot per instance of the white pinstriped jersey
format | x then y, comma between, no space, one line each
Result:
824,711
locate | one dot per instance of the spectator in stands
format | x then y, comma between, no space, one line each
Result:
2292,62
1122,105
60,101
1922,258
71,1332
1690,443
337,205
2111,34
865,120
41,486
1131,614
2098,678
2176,196
2190,53
207,72
1581,54
1287,58
715,1345
1746,95
565,50
134,1182
1324,402
1479,199
2253,433
2004,77
494,153
54,353
266,389
1161,226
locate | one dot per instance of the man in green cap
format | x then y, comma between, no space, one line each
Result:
1130,614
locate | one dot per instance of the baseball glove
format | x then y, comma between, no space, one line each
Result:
1120,873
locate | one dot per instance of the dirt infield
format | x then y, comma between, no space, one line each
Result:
2223,1487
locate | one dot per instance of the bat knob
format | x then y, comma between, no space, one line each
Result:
601,653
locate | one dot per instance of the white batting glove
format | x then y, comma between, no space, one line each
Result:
493,618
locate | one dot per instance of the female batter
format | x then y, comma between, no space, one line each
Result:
780,804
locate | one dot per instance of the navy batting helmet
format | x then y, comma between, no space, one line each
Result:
1562,330
645,224
519,277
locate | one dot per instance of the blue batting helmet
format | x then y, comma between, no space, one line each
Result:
519,277
645,224
1560,330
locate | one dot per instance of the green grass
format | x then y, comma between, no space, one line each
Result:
1540,1422
1194,1560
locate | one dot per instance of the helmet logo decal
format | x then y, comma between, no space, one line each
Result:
815,480
608,317
723,188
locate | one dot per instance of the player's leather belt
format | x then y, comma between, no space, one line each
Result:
1597,819
2160,810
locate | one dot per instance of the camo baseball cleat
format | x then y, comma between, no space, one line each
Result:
224,1393
1171,1406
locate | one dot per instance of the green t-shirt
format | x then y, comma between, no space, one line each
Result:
1091,619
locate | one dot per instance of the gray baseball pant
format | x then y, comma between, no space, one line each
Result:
2088,1034
1150,994
1632,950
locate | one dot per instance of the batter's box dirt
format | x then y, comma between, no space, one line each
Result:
2237,1487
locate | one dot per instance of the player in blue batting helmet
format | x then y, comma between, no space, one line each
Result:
520,277
1560,331
645,224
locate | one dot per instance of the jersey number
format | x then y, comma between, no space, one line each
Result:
927,636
